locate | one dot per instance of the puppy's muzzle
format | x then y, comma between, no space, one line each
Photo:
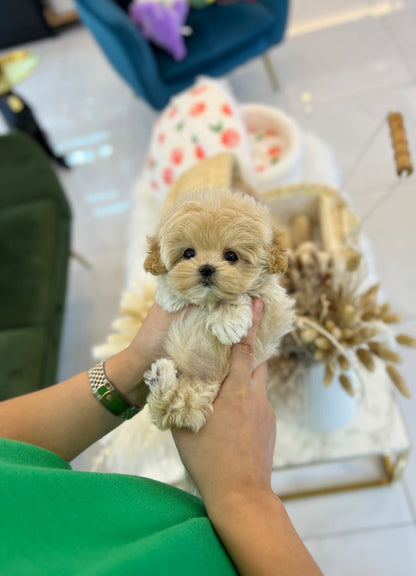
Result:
206,271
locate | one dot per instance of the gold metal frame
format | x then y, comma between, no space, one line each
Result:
393,470
271,72
54,20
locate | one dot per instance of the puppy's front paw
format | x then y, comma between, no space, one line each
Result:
231,333
230,323
162,380
162,374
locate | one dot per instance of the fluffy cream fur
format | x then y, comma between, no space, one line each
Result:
233,235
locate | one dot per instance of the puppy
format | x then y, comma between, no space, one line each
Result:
215,250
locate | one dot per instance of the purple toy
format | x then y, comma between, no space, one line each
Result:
162,23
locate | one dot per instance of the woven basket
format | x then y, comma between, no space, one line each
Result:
314,213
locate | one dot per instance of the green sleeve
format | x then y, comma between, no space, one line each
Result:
55,520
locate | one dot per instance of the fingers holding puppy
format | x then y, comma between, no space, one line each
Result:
242,354
239,435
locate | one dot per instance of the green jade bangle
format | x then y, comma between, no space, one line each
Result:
108,395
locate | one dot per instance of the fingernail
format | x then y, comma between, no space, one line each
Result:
258,305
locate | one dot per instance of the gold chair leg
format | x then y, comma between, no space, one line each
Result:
271,72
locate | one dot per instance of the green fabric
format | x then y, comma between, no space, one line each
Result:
27,236
56,521
20,374
34,250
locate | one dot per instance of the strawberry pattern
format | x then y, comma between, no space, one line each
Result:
176,156
172,111
197,108
199,123
226,109
199,152
230,138
199,89
267,148
168,176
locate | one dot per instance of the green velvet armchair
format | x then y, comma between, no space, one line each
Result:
35,221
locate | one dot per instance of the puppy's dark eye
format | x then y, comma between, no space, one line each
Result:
189,253
230,256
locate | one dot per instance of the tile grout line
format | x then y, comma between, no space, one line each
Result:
365,94
400,84
368,191
399,49
359,531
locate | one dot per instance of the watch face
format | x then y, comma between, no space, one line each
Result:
105,393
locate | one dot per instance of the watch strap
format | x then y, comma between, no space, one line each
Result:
108,395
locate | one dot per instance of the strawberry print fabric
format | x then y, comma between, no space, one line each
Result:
267,148
201,122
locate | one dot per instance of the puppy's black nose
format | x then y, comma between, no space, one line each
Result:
207,270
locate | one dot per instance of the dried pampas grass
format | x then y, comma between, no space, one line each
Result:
337,322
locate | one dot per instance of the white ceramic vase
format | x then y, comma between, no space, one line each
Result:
325,408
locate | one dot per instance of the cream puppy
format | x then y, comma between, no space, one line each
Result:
216,250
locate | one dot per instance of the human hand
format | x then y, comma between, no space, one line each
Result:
126,369
231,456
149,343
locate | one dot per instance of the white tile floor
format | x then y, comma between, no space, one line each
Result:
343,66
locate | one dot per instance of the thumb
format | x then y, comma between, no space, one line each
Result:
242,354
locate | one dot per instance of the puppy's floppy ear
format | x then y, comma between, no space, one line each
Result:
153,262
277,260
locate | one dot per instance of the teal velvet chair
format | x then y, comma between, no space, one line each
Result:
223,37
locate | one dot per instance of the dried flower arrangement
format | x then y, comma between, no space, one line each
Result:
336,321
